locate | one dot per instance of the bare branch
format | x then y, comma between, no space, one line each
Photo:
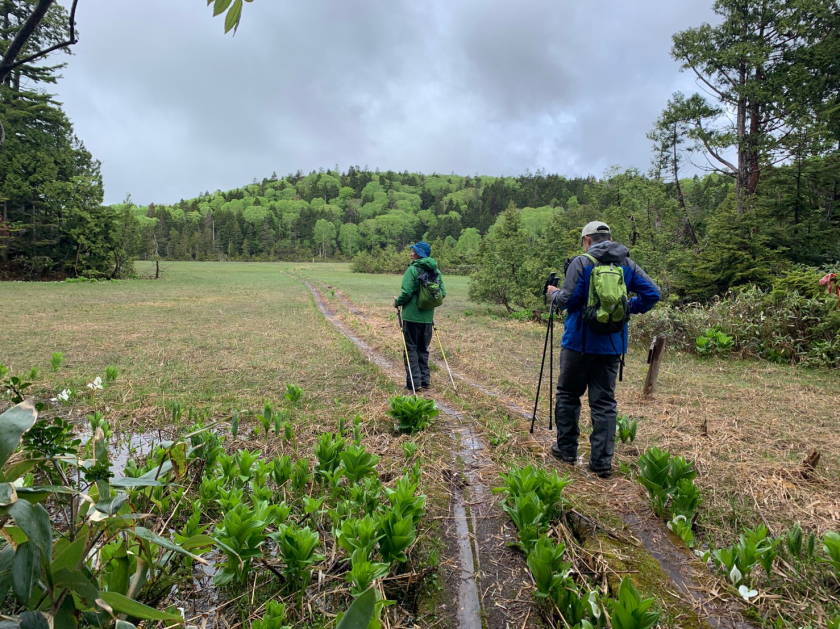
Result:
9,63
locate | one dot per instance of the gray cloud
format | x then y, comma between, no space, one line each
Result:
173,107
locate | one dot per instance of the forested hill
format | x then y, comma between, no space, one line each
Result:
694,226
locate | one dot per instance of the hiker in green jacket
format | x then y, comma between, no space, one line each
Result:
417,323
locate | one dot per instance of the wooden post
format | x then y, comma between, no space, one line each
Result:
654,359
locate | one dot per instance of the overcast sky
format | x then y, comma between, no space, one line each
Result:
173,107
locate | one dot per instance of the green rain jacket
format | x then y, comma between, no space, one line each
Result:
411,286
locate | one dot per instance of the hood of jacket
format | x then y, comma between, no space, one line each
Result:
609,252
426,264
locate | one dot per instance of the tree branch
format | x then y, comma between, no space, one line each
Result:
712,152
8,64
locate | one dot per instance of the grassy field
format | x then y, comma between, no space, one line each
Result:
220,337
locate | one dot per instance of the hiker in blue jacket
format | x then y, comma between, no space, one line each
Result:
591,359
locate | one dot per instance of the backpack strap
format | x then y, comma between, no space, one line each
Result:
592,258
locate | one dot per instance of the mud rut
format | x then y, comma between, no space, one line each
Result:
491,581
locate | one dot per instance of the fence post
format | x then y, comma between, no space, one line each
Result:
654,359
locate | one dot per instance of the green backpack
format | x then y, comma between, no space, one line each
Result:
606,308
430,295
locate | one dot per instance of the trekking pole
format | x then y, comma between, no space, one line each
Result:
542,366
551,367
446,362
405,349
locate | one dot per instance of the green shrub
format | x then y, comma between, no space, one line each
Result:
713,342
413,413
626,428
386,260
781,326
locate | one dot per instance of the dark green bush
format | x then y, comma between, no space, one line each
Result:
781,325
387,260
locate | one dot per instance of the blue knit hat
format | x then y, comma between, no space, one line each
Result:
422,249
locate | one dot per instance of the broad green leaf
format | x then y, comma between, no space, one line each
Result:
128,482
35,522
360,613
233,15
77,582
178,456
220,6
8,495
16,470
23,571
160,471
33,620
68,555
124,605
146,534
111,505
197,541
13,423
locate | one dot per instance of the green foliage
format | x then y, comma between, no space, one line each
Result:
831,546
397,533
274,617
713,341
630,610
681,527
358,534
534,497
385,260
297,548
504,275
754,547
293,393
626,428
241,536
413,413
410,449
328,451
788,327
111,373
364,572
55,360
357,463
669,481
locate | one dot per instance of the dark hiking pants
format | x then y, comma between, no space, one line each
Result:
417,338
597,373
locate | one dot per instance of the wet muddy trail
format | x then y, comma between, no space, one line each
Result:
493,561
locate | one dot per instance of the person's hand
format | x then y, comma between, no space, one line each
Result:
551,290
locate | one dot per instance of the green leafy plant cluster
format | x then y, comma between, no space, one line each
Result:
626,428
75,544
713,341
413,413
669,481
534,500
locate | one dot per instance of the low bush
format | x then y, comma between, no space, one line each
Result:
781,324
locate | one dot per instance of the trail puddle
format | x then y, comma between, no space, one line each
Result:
676,562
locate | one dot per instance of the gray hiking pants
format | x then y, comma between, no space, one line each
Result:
417,338
597,373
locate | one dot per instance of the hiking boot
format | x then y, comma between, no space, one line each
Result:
425,387
555,452
604,473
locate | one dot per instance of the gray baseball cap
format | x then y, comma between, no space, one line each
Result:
594,227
